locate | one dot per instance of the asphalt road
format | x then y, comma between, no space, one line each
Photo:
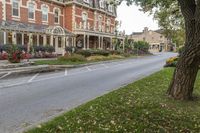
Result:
29,99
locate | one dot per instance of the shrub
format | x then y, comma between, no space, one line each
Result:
141,45
22,47
14,54
71,49
49,49
171,62
39,48
85,53
101,52
72,58
115,52
88,53
3,56
97,58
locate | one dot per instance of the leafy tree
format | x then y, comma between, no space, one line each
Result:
182,84
141,45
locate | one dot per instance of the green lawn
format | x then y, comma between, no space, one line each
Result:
139,107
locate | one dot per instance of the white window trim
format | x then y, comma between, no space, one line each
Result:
59,14
100,24
87,1
44,5
86,22
101,3
35,8
19,5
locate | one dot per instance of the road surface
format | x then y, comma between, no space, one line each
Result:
29,99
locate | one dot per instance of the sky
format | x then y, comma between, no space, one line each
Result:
134,20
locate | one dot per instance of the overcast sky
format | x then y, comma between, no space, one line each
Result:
134,20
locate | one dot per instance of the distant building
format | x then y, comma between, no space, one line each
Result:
157,40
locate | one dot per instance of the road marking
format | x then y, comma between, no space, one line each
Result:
66,72
30,80
5,75
89,69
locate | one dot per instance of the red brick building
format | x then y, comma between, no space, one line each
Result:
81,23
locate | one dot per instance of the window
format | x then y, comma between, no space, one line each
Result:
108,25
31,10
100,23
101,3
86,1
110,8
56,16
45,13
15,8
84,19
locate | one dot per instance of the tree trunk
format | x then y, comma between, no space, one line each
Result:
181,87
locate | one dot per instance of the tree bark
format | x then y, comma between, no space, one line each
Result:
181,87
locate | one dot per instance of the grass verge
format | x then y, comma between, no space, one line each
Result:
139,107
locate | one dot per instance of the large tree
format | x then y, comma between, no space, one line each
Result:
184,77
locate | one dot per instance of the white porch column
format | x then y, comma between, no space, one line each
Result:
44,40
102,42
30,41
99,41
88,42
14,38
111,45
63,45
4,37
84,43
51,40
67,41
74,41
38,40
22,38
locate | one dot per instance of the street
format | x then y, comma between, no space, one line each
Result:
29,99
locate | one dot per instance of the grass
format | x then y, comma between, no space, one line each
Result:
140,107
57,62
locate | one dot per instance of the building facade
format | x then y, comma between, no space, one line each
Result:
158,42
60,23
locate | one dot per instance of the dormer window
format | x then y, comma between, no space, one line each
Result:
86,1
101,3
110,8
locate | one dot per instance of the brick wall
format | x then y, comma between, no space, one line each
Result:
38,12
68,17
1,10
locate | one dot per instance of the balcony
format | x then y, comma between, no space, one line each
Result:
87,28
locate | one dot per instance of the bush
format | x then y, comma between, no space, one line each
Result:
97,58
115,52
39,48
171,62
101,52
72,58
88,53
49,49
141,45
85,53
14,54
71,49
22,47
